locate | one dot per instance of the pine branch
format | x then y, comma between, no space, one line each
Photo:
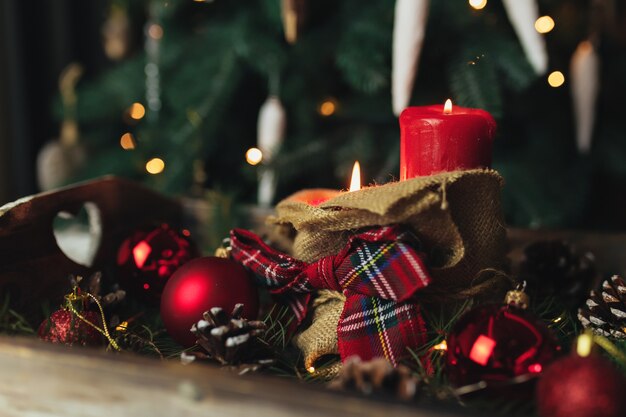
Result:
363,49
474,81
11,322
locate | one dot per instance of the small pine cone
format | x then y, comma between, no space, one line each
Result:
231,339
605,312
93,285
555,267
377,376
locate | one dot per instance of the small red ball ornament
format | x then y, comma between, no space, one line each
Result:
581,387
499,345
65,327
201,284
149,257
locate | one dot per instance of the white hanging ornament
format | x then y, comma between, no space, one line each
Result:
270,136
59,160
585,85
523,14
271,127
409,29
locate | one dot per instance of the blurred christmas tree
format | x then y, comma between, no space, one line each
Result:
191,96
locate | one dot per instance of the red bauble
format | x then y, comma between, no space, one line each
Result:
581,387
65,327
149,257
201,284
495,344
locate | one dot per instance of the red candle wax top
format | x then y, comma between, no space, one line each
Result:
433,140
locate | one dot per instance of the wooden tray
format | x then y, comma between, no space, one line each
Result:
33,267
40,379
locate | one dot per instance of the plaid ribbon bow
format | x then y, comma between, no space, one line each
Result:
378,271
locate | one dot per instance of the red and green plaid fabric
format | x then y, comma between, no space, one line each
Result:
379,271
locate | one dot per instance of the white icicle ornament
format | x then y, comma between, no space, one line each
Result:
523,14
408,37
271,127
270,136
585,85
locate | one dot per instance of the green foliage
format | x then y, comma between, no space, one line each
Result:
473,80
219,61
12,322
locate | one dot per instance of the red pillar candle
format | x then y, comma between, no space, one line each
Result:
436,139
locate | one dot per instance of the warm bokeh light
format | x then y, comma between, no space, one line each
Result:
447,108
482,349
544,24
254,156
137,111
556,79
478,4
441,346
155,166
141,251
355,181
584,345
155,31
328,108
127,141
122,327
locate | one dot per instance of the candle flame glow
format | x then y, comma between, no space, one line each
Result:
355,182
447,108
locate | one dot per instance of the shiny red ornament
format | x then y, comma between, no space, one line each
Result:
498,345
65,327
149,257
201,284
582,387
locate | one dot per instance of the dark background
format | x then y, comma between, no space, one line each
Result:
37,40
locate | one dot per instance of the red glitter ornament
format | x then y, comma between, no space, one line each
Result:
581,387
149,257
498,345
201,284
65,327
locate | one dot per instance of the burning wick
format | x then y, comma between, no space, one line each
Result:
447,108
355,182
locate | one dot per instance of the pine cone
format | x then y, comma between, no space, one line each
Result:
605,313
93,285
232,340
377,376
554,267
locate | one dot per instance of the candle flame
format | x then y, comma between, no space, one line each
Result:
447,108
355,182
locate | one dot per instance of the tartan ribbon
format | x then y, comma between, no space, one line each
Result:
379,271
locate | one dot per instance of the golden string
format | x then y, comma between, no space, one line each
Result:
104,331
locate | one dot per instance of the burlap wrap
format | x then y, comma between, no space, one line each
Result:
457,216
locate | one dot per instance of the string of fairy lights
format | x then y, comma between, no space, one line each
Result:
254,156
328,107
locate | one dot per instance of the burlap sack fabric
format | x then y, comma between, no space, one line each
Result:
457,216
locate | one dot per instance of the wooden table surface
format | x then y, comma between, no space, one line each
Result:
39,380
